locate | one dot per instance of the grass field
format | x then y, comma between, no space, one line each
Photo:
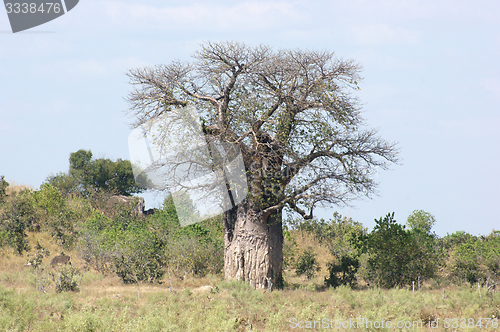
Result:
104,303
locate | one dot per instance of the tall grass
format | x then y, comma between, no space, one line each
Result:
104,304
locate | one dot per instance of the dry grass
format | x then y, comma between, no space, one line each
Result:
16,188
104,303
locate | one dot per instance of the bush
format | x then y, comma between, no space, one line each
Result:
138,249
397,256
345,239
307,264
139,257
96,245
67,279
190,256
41,252
477,260
343,271
59,214
16,218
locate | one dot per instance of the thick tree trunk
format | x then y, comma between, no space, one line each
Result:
253,249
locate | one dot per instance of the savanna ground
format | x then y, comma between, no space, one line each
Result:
105,303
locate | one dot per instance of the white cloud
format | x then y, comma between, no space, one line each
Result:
383,34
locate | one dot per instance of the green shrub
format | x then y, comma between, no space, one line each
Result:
97,242
36,259
307,264
132,267
343,271
477,260
397,256
59,214
16,218
67,279
187,255
139,256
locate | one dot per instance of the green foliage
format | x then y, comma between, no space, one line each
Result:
3,189
135,248
36,259
96,245
343,271
67,279
16,218
139,258
345,238
67,185
397,256
421,220
195,249
139,249
87,176
307,264
477,260
59,214
451,241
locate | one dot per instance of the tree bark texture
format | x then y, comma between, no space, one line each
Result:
253,249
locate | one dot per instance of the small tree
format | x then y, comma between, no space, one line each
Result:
345,239
478,260
16,218
96,246
60,215
307,264
398,256
87,176
421,220
139,257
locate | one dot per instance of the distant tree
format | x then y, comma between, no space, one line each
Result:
87,175
422,220
397,256
431,253
345,239
66,184
3,189
15,220
307,264
451,241
59,215
477,260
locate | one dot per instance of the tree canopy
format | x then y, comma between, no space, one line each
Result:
87,175
291,112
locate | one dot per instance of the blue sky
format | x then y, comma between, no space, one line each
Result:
431,82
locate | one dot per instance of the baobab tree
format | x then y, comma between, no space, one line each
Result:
298,126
